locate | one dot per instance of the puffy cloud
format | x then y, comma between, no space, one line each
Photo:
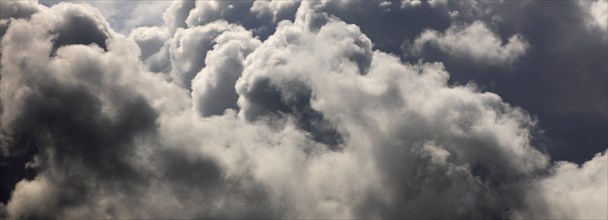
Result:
599,11
474,41
213,88
207,11
385,109
18,9
175,16
181,55
398,23
188,48
252,15
124,16
311,122
149,39
31,197
573,191
78,108
410,3
560,78
15,10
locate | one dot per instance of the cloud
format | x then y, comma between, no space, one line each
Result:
252,15
31,196
574,191
599,11
208,11
175,16
149,39
278,10
410,3
200,118
559,79
474,41
15,10
213,88
398,23
124,16
188,49
18,9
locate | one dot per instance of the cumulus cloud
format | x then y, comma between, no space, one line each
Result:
574,191
10,10
213,88
176,14
202,118
124,16
149,39
188,48
560,78
475,41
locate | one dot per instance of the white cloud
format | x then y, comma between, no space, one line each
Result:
175,16
149,39
208,11
35,196
213,88
410,3
188,48
388,112
573,191
599,11
474,41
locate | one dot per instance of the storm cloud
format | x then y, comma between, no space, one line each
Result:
311,109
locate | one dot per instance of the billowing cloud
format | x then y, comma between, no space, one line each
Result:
187,50
125,16
10,10
203,118
574,191
475,42
213,88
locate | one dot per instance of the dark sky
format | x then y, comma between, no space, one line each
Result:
308,109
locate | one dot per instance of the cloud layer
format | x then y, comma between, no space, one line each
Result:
272,109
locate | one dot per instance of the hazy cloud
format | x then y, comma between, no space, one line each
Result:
599,13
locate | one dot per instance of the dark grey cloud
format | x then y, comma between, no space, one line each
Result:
66,130
269,109
13,9
77,28
266,99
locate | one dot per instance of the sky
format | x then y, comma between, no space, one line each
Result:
330,109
